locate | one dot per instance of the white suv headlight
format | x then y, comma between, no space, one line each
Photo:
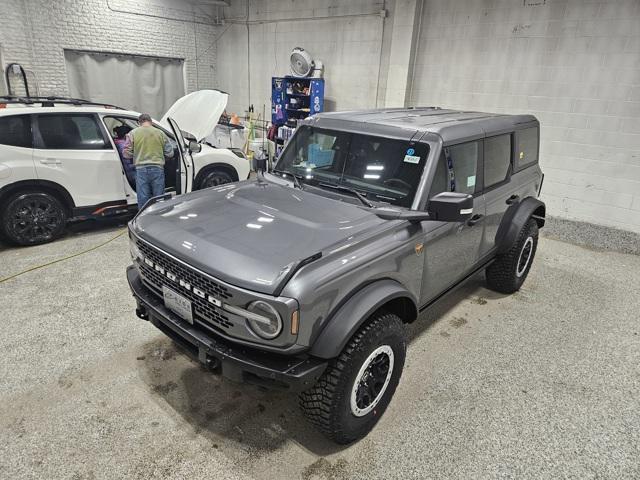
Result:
264,320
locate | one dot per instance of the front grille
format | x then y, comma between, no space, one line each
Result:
202,308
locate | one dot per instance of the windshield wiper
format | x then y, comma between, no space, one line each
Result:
296,182
349,190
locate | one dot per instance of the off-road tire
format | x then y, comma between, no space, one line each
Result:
32,218
328,403
509,271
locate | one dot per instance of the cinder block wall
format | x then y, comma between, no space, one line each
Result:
35,33
350,43
575,64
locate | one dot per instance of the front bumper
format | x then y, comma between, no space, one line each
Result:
237,363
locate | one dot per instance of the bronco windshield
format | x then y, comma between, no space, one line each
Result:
382,169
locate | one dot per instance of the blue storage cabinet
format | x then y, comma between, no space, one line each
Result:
295,98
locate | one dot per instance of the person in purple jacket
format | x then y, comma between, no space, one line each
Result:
121,141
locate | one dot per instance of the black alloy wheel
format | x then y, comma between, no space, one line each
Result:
214,178
33,218
372,380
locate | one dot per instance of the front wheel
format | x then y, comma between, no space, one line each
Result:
32,218
509,271
214,178
355,390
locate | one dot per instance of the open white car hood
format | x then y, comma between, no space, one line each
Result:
198,112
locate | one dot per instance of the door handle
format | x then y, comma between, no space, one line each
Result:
50,161
512,199
475,219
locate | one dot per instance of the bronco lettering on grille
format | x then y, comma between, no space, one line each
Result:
183,283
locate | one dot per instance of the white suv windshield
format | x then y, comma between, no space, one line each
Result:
383,169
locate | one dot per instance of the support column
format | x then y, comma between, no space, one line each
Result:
404,42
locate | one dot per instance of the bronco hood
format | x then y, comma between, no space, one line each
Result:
251,234
197,113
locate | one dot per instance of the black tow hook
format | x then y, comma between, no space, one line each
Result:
141,312
208,361
212,363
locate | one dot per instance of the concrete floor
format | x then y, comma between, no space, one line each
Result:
540,384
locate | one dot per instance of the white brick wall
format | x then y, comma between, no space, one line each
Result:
35,33
575,64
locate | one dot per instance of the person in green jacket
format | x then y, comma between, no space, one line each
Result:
148,146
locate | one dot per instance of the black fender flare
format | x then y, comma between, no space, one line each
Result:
516,217
353,313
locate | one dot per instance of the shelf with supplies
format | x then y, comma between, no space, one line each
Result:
283,134
295,98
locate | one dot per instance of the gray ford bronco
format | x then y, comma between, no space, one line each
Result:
303,278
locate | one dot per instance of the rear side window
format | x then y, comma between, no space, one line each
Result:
16,131
526,147
457,169
70,132
497,159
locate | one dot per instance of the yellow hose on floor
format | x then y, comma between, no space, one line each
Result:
64,258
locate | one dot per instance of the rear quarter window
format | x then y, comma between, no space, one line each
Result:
527,142
15,130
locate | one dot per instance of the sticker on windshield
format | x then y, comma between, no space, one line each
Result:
471,181
411,158
410,151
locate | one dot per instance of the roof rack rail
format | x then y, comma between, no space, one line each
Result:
51,101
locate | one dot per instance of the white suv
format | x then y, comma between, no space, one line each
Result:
59,160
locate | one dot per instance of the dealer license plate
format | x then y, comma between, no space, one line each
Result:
178,304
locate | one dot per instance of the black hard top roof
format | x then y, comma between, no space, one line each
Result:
450,125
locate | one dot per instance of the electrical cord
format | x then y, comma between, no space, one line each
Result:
77,254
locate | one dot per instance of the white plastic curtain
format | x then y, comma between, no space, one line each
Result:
144,84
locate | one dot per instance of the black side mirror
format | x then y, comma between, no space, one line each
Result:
194,147
451,207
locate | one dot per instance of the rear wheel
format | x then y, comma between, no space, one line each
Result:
33,218
354,391
509,271
215,177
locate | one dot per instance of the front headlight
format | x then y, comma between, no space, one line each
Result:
134,250
264,320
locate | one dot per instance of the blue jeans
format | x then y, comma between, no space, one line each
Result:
149,183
